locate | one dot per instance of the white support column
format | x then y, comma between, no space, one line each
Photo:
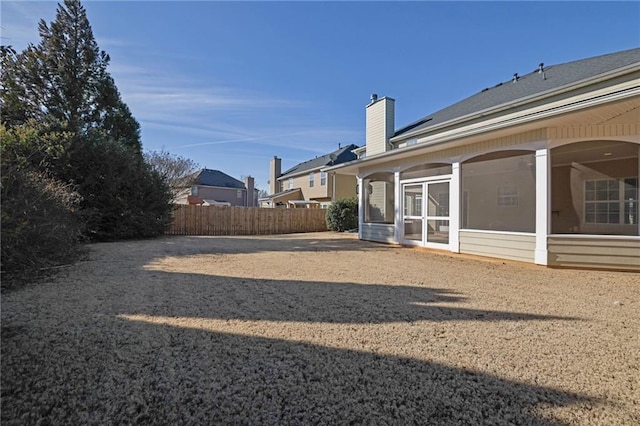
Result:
398,219
454,208
543,181
361,206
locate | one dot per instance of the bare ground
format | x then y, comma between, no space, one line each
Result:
318,329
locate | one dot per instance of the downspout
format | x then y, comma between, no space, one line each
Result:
333,185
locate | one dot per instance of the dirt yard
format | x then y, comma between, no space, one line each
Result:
318,329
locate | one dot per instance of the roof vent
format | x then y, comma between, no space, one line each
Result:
515,77
541,71
374,97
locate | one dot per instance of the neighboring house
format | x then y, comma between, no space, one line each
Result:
306,185
213,187
542,168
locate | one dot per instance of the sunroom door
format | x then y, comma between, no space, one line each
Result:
426,218
413,213
437,214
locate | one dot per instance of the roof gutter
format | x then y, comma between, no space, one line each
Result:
428,145
302,173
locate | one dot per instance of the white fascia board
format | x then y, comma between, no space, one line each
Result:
429,143
306,172
600,97
244,188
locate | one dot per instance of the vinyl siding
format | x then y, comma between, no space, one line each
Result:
520,247
617,130
378,232
523,140
380,125
302,182
229,195
594,252
345,186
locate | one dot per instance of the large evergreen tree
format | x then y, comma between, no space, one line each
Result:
60,92
63,81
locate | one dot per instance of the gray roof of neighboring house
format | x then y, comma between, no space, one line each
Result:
209,177
553,77
341,155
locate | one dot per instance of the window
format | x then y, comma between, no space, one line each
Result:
290,183
239,193
507,196
594,188
311,180
323,178
413,200
611,201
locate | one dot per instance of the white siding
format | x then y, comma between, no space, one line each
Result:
377,232
594,252
380,125
520,247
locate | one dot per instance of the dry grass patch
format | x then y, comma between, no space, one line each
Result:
318,328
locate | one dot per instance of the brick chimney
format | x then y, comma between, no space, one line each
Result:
275,170
380,124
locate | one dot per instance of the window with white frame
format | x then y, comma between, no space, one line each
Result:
611,201
239,193
508,196
413,200
291,183
323,178
311,180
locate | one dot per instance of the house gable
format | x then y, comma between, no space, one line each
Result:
339,156
208,177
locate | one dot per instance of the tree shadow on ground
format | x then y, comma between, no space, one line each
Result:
128,372
198,245
104,362
222,297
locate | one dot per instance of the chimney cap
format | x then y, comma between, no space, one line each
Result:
374,97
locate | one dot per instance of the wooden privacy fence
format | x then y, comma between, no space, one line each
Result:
216,220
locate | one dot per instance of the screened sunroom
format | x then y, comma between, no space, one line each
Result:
540,169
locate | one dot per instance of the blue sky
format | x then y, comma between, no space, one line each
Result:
231,84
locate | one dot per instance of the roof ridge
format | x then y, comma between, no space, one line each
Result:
553,77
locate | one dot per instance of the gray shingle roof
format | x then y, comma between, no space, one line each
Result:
338,156
553,77
209,177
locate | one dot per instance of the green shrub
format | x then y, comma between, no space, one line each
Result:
122,196
40,225
342,215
